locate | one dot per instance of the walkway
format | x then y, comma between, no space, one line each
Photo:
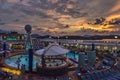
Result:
28,76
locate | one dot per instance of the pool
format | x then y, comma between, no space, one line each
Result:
73,56
13,61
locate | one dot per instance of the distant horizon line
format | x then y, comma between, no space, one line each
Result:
9,31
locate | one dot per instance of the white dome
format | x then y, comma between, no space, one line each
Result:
52,50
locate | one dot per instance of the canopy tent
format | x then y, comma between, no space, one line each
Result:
52,50
4,51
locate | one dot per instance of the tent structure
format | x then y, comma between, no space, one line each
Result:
45,65
4,51
52,50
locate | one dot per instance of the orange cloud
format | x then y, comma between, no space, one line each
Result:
116,7
53,15
113,17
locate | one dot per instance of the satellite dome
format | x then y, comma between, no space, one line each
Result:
28,28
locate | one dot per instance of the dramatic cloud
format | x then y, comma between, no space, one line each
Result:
61,17
115,21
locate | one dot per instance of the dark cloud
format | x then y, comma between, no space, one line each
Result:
114,27
66,26
59,7
61,26
33,12
40,29
98,21
53,15
2,23
102,21
43,4
115,21
76,13
63,33
90,31
16,20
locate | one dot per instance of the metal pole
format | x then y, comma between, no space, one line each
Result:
58,39
116,42
66,43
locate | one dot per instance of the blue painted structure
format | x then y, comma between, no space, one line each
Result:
93,46
30,63
4,48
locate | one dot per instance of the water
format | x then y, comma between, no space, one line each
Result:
13,61
73,56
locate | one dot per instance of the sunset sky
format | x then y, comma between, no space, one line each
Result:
61,17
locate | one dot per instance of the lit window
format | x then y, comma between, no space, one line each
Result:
98,47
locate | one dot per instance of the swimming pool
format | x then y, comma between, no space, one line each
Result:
24,60
72,55
12,61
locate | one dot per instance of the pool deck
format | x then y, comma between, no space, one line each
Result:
31,76
8,55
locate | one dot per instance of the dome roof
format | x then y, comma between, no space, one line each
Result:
52,50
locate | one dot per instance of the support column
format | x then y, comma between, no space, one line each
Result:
30,63
4,49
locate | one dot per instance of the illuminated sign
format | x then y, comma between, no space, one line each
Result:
11,39
17,46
